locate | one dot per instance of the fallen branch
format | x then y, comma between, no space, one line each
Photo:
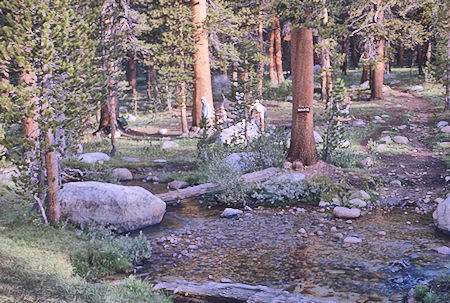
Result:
198,190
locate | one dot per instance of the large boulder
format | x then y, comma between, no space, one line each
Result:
93,157
236,134
441,216
125,208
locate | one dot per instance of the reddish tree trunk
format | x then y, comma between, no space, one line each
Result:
303,147
278,52
376,81
132,71
272,68
202,72
30,126
447,82
400,55
261,49
52,208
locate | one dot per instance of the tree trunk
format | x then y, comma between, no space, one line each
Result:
354,56
345,50
400,55
272,67
303,147
420,57
151,82
30,127
387,65
447,82
234,74
131,71
327,84
261,49
278,52
51,161
376,81
202,72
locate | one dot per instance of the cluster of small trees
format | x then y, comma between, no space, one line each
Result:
62,59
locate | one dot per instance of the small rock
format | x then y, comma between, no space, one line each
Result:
320,233
444,144
122,174
358,123
287,165
225,280
446,129
401,127
396,183
298,165
367,162
352,240
360,194
381,146
302,231
93,157
230,213
323,204
416,88
438,200
381,233
132,118
444,250
365,85
377,117
159,161
349,221
358,202
338,235
386,139
336,201
401,140
163,131
169,144
177,184
317,137
346,213
442,123
333,229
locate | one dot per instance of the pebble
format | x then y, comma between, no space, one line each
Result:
323,204
333,229
381,233
230,213
320,233
163,131
401,140
446,129
358,202
396,183
408,222
352,240
367,162
442,123
302,231
360,194
338,235
349,221
225,280
346,213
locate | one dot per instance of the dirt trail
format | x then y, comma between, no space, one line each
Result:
420,170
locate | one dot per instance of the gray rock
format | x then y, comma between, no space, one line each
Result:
230,213
365,85
323,204
292,177
352,240
360,194
381,233
317,137
160,161
396,183
358,123
93,157
358,202
386,139
169,144
225,280
441,216
236,134
401,140
238,161
416,88
122,174
336,201
346,213
444,250
367,162
444,144
382,146
123,207
446,129
177,184
132,118
442,123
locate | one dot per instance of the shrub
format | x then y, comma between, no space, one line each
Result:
278,93
108,253
420,292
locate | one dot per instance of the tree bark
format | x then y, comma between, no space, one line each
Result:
303,147
202,71
151,81
420,58
272,68
376,81
447,82
400,55
30,127
52,208
327,84
131,71
345,50
261,49
278,52
354,54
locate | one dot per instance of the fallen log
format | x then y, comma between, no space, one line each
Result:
185,291
198,190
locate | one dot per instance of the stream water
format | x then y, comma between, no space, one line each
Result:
265,247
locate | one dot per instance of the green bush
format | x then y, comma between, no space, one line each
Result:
108,253
431,298
278,93
420,291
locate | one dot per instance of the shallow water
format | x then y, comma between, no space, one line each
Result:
265,247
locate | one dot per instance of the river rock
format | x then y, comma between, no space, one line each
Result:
367,162
358,202
386,139
346,213
381,233
352,240
169,144
442,123
441,216
323,204
361,194
401,140
230,213
122,174
446,129
93,157
416,88
125,208
177,184
444,250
